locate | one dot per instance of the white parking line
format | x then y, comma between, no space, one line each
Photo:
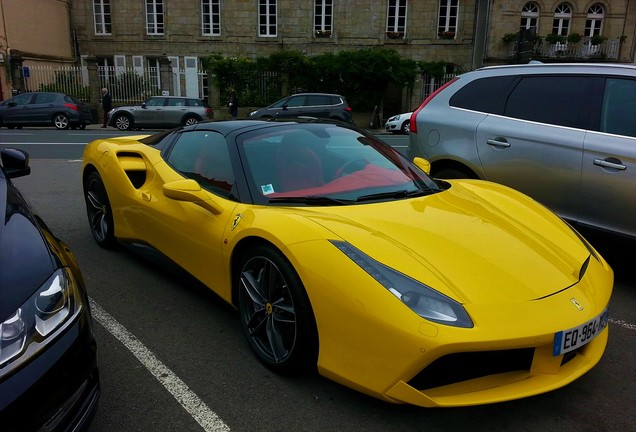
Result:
208,420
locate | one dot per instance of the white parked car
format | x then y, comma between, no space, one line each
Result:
399,123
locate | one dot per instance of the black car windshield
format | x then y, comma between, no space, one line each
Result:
326,164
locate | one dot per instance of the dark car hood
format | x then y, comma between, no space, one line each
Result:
26,261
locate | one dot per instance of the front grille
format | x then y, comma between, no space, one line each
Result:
458,367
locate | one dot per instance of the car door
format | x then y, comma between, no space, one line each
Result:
174,111
317,106
42,108
293,107
16,109
151,113
608,193
188,233
535,145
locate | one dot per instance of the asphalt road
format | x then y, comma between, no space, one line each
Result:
172,356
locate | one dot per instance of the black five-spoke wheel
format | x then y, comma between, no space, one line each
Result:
98,210
275,312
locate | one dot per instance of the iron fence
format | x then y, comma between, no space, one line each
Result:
72,80
431,83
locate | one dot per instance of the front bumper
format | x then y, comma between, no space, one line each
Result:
59,389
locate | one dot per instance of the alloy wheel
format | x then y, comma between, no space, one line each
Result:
267,310
61,121
98,210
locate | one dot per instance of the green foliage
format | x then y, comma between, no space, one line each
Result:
510,37
554,38
436,69
597,39
574,38
69,82
130,86
362,76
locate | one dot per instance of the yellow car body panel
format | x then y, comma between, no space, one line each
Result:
523,266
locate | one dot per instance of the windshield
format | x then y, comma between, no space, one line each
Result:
325,164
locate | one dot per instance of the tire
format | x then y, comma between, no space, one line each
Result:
123,122
61,121
406,127
452,173
275,312
190,121
98,210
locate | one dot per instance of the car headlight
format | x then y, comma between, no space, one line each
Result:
27,330
421,299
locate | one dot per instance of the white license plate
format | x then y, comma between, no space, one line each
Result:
571,339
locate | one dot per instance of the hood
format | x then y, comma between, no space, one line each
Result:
476,242
25,258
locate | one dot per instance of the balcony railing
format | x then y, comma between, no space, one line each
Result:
606,50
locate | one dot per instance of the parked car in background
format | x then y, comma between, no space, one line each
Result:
565,134
428,299
44,109
399,123
160,111
318,105
49,379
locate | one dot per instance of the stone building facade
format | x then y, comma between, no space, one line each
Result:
464,33
142,34
33,32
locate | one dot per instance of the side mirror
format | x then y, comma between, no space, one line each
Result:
12,104
285,107
15,162
190,191
423,164
143,105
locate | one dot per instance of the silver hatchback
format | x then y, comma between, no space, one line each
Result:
564,134
160,112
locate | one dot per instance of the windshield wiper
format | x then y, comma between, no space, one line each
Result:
312,199
403,193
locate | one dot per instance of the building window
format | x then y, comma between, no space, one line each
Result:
154,17
323,18
267,18
562,17
530,17
396,19
594,22
447,22
211,17
101,11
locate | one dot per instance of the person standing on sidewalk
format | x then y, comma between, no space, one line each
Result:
107,105
233,104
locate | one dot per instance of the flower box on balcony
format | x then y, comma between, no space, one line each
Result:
394,35
323,33
446,35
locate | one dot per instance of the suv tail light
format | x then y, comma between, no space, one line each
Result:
209,112
71,106
413,122
348,109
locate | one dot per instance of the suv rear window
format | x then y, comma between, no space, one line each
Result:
316,100
484,94
557,100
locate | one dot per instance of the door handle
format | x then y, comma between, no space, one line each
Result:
612,163
499,142
146,196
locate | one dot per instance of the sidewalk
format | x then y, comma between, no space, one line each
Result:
98,126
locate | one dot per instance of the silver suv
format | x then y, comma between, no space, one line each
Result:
160,112
565,134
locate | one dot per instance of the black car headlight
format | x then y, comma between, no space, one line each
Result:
421,299
27,330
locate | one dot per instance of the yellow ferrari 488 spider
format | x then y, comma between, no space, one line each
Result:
341,255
